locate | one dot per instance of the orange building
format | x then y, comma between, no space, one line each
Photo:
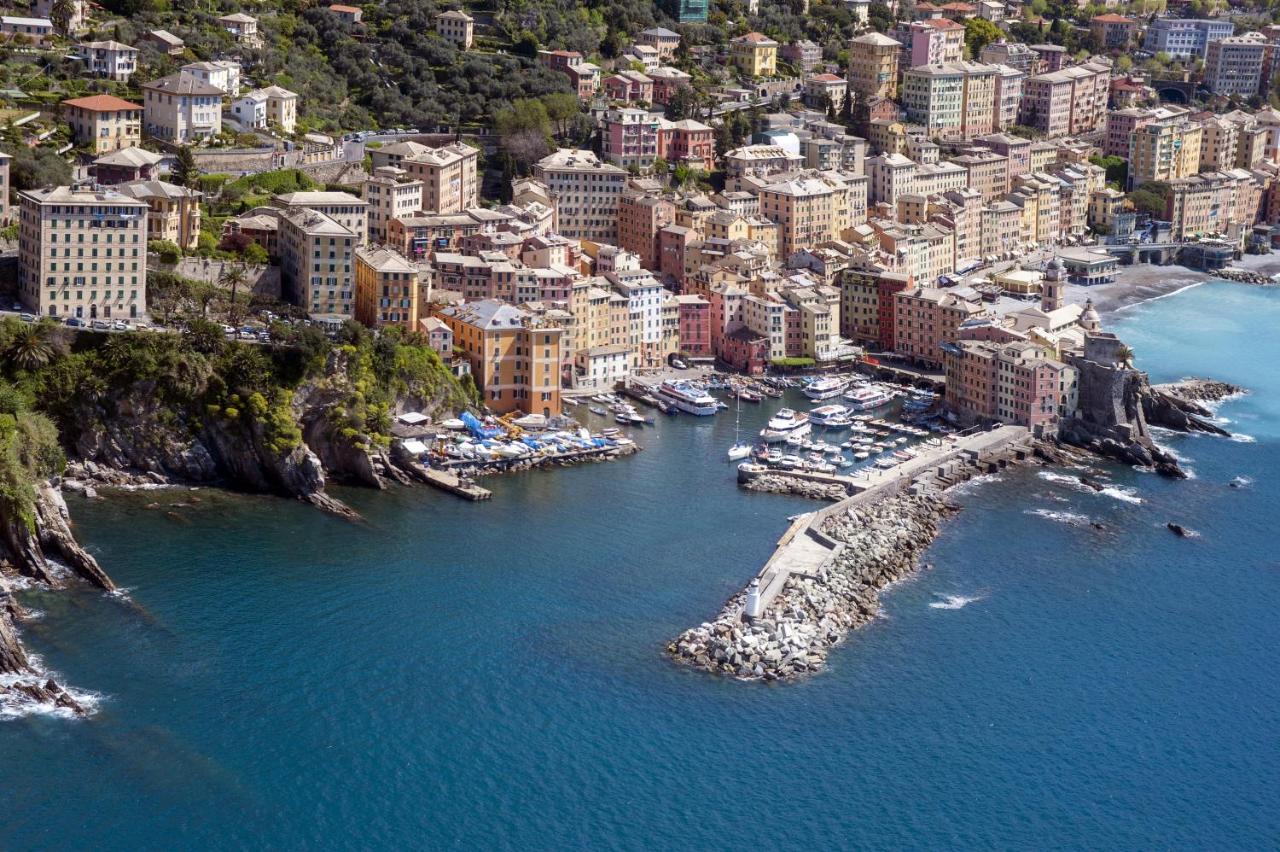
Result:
515,361
386,289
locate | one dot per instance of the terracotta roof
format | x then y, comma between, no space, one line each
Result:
942,24
1112,18
101,103
340,8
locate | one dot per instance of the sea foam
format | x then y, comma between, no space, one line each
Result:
954,601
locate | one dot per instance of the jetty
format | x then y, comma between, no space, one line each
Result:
805,549
447,480
824,577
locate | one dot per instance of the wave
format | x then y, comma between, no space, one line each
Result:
1242,481
15,705
973,484
954,601
1242,438
1115,492
1071,518
1158,298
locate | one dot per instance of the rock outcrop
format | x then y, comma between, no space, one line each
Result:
881,542
770,483
27,546
1110,417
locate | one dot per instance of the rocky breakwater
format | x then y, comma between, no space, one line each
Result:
40,548
781,483
1243,276
879,543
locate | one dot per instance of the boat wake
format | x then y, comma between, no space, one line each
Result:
1070,518
954,601
1242,438
1115,492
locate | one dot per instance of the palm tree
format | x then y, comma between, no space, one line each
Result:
62,13
33,346
233,277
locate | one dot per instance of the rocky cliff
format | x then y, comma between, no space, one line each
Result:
28,549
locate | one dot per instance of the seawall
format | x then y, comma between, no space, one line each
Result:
825,575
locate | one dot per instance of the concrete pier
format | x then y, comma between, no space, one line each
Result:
805,550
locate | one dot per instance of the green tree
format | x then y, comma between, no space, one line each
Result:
185,171
978,33
34,345
233,277
61,14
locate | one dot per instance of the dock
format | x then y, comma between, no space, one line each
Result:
804,549
449,481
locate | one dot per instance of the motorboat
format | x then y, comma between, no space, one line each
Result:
785,424
824,415
867,398
825,388
689,398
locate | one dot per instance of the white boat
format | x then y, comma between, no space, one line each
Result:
825,388
739,450
865,399
829,415
688,398
862,455
796,441
786,424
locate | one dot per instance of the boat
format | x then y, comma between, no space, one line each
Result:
825,388
785,424
795,441
885,464
789,462
739,450
597,410
862,455
688,398
844,463
610,432
771,391
824,415
865,399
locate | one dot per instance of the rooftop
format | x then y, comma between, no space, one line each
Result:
101,103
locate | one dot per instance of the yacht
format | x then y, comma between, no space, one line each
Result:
825,388
830,415
865,399
687,398
785,424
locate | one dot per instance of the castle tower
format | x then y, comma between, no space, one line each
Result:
1052,296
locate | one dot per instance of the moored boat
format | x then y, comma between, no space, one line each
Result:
785,424
688,398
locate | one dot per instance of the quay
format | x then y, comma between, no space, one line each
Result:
805,550
447,480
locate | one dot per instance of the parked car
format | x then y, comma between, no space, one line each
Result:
75,322
27,317
100,325
264,337
17,306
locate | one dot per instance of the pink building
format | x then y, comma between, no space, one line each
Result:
689,141
694,315
630,137
640,218
935,41
745,351
629,87
1010,382
1121,125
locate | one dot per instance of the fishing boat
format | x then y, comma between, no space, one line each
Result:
688,398
867,398
825,388
785,424
771,391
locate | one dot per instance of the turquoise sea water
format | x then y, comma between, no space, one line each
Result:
450,675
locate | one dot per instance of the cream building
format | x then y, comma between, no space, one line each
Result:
586,194
457,27
344,208
82,253
181,109
173,212
873,65
386,289
316,261
268,106
104,123
109,59
391,194
449,178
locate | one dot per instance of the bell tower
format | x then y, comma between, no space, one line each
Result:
1052,296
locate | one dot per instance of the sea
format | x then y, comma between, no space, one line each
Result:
1067,674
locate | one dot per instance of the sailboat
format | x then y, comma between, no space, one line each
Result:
739,450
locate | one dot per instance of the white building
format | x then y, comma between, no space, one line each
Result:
109,59
263,107
222,73
180,109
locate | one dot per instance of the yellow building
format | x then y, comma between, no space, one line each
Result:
104,123
1166,150
173,212
82,252
515,362
386,289
873,65
755,54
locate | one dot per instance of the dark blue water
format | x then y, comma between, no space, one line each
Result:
472,676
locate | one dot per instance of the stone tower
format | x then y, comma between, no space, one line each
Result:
1055,279
1089,320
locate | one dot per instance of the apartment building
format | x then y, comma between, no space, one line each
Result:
449,177
1233,65
173,212
1007,99
1164,150
952,100
688,141
347,210
386,289
109,59
391,194
1014,54
1219,144
515,360
986,172
891,175
458,27
935,41
1185,38
316,261
873,65
1112,31
1069,101
266,107
925,318
104,123
82,253
181,109
1016,383
630,87
1223,203
755,55
243,28
808,210
662,40
629,138
586,193
220,73
640,218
